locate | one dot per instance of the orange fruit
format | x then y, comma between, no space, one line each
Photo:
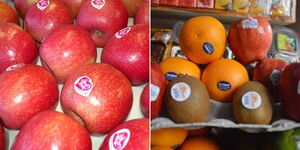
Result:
168,137
223,77
161,148
174,66
199,132
203,39
199,143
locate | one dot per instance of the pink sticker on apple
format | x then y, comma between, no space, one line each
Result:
83,85
43,4
119,139
98,4
122,32
14,67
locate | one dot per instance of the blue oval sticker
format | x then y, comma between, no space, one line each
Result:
224,85
170,76
208,48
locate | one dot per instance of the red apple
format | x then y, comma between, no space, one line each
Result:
42,18
66,49
132,6
187,3
128,51
289,91
98,96
52,130
74,5
8,14
268,72
102,18
2,138
169,2
130,135
22,6
155,2
142,14
250,39
25,91
16,46
144,101
158,86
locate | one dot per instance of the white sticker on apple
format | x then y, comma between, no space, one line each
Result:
14,67
274,77
154,92
250,23
43,4
119,139
98,4
122,32
83,85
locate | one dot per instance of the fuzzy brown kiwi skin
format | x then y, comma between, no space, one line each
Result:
195,108
262,114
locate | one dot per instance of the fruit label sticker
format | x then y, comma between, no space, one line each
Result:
122,32
83,85
180,91
98,4
43,4
298,88
250,23
274,77
14,67
119,139
251,100
170,76
154,92
224,85
208,48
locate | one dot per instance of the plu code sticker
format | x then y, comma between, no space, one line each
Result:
208,48
154,92
250,23
224,85
14,67
169,76
251,100
122,32
83,85
180,91
274,77
98,4
43,4
119,139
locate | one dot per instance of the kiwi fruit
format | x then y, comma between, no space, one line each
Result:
187,100
252,104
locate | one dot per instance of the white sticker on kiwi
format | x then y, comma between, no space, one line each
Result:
180,91
83,85
154,92
98,4
119,139
298,88
251,100
42,4
249,23
274,77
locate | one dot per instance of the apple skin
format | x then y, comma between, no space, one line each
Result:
39,23
26,91
130,53
22,6
103,23
8,14
52,130
66,49
142,14
263,71
16,46
250,44
132,6
138,139
289,91
2,138
158,80
74,5
144,101
108,103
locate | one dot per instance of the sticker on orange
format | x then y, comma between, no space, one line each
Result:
274,77
98,4
224,85
14,67
42,4
122,32
154,92
180,91
250,23
119,139
251,100
208,48
83,85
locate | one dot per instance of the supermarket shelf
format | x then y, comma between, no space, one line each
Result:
173,14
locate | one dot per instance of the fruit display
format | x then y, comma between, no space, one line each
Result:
57,92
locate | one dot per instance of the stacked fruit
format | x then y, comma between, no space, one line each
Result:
96,98
207,75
